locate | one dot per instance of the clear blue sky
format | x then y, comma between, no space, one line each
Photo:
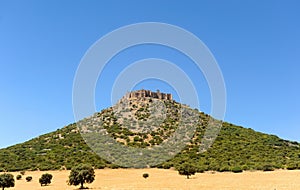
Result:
256,44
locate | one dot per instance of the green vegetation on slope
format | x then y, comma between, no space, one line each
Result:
61,149
236,148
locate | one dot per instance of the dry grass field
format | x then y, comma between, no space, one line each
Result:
132,179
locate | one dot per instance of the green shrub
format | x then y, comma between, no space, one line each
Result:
224,169
292,166
114,166
245,167
145,175
268,168
200,169
236,169
18,177
28,178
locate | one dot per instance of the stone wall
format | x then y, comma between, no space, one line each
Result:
148,93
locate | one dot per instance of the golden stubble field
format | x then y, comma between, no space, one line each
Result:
131,179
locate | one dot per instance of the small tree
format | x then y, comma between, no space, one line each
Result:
6,180
145,175
22,172
81,174
19,177
45,179
28,178
186,169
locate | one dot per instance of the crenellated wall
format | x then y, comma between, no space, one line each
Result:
148,93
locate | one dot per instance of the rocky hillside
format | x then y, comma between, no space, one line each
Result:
234,148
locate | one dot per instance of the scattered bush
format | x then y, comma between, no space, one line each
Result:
224,169
45,179
236,169
268,168
7,180
200,170
292,167
114,166
145,175
19,177
245,167
28,178
234,146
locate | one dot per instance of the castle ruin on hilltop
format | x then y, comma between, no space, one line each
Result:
148,93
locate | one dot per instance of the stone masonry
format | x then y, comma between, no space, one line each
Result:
147,93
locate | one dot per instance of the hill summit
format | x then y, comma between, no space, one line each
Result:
145,121
143,129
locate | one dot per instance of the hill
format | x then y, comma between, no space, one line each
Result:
235,148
